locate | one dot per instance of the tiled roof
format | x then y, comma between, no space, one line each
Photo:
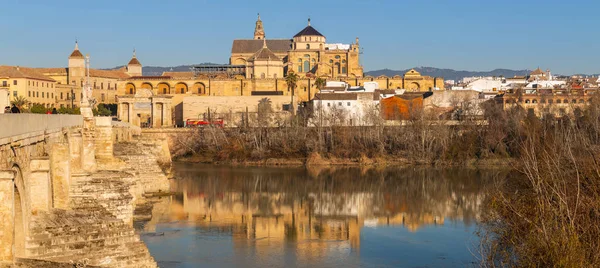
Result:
179,74
76,54
309,30
119,74
252,46
23,72
265,54
537,71
134,61
336,96
48,71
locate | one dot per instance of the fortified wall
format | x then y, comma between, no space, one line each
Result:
69,186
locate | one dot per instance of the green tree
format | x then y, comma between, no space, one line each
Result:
292,82
320,83
38,109
20,102
102,110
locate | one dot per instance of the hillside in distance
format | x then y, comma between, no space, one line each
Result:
449,74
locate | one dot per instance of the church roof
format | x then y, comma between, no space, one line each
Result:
119,74
22,72
264,54
134,61
178,74
253,46
537,71
76,54
50,71
309,30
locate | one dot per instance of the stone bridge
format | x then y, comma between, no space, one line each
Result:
69,186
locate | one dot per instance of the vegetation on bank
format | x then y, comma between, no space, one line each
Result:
25,106
547,216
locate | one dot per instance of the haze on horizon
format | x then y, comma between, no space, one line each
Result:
461,35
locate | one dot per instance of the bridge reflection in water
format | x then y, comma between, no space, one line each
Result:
311,212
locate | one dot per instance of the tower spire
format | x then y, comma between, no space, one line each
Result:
76,45
309,21
259,31
134,52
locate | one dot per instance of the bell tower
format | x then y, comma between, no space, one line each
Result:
259,31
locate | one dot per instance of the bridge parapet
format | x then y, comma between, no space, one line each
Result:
16,125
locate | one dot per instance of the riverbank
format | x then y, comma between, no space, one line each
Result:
315,159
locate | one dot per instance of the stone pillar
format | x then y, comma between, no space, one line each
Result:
156,113
7,239
40,192
75,142
88,152
104,137
60,165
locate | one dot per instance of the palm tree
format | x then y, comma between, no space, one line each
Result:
292,80
20,102
320,83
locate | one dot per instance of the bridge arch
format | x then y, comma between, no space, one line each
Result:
20,209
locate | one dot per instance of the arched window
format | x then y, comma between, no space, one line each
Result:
330,61
307,46
164,91
337,68
306,66
337,57
182,90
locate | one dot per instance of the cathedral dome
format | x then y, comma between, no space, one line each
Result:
308,31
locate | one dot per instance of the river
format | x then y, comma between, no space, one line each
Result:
226,216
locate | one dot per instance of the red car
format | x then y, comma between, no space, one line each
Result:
204,123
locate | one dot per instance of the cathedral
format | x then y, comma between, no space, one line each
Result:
306,54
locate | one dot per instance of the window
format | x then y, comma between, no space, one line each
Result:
262,75
37,94
15,82
29,83
330,61
94,84
557,101
101,85
306,66
102,97
61,95
131,91
164,91
81,83
73,82
42,94
4,83
304,89
348,103
340,103
28,93
337,57
37,84
14,94
344,70
307,46
328,104
62,106
182,90
53,95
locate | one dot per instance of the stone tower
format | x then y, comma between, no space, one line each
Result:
76,66
259,32
134,67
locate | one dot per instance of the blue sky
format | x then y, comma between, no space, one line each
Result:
462,34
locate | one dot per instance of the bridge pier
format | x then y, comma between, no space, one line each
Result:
61,172
40,193
7,206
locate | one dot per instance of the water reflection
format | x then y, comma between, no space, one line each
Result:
274,216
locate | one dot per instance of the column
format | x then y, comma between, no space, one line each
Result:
7,227
39,189
60,164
